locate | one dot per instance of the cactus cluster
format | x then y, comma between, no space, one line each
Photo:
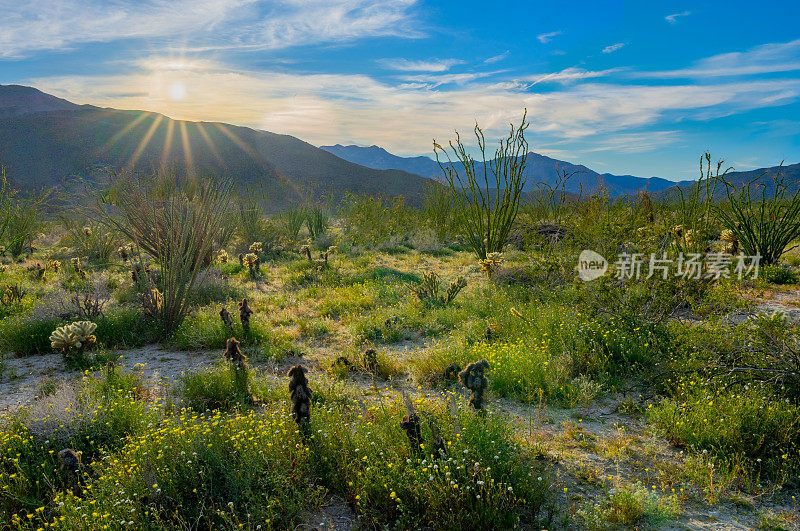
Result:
222,257
731,241
491,263
75,337
11,294
428,290
257,247
125,252
253,263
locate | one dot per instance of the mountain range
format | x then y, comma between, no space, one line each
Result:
47,141
538,169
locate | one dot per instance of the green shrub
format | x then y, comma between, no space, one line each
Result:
212,471
630,507
484,480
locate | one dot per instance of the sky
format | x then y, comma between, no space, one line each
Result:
638,87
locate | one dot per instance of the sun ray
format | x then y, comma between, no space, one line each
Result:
202,128
167,144
255,156
187,148
145,140
122,132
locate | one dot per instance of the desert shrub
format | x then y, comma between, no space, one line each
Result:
213,287
484,479
293,219
629,507
763,216
127,327
175,222
705,417
98,413
485,221
25,335
439,211
316,222
91,241
371,221
19,217
779,274
203,329
212,471
215,388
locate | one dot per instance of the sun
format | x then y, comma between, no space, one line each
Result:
177,91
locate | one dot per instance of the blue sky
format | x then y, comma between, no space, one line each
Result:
623,87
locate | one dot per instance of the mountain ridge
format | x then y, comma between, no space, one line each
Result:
539,168
46,141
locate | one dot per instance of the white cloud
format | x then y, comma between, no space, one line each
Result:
326,108
547,37
673,18
613,47
569,74
303,22
36,25
496,58
432,65
764,59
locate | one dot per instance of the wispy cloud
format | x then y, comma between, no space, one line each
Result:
431,65
569,74
27,27
547,37
496,58
304,22
613,47
327,108
673,18
764,59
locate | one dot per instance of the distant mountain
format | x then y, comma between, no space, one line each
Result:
47,141
761,177
17,100
539,169
380,159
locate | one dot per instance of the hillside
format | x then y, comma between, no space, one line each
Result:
539,169
46,141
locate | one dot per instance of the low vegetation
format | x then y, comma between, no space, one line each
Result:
443,367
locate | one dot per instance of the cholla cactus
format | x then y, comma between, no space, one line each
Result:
87,231
76,262
428,290
222,256
75,337
491,263
55,265
253,263
123,253
11,294
731,241
453,289
306,250
38,271
256,247
677,230
688,237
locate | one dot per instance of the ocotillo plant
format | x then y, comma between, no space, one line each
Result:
488,193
